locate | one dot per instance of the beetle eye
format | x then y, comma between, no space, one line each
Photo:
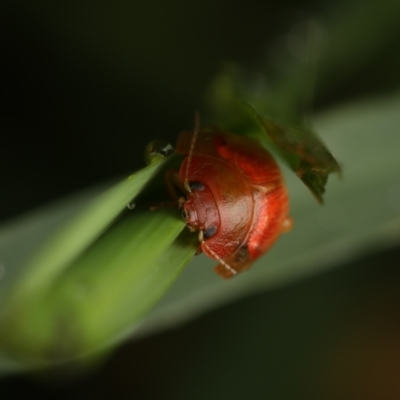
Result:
209,232
196,186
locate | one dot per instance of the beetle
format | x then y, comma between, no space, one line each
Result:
234,196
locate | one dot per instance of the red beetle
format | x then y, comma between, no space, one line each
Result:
235,196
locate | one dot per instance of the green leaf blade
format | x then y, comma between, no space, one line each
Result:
303,151
83,230
102,293
97,268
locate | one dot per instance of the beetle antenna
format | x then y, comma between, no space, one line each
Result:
194,138
227,266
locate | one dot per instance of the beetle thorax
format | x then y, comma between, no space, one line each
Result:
200,210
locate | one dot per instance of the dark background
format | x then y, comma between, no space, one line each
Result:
84,86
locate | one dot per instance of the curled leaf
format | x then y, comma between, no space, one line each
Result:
303,151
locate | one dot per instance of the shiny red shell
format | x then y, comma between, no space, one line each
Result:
235,197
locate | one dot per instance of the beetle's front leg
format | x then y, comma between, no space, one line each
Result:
175,186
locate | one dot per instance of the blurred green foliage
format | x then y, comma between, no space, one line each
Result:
101,80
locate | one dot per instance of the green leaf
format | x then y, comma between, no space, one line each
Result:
290,137
112,285
303,151
80,232
95,269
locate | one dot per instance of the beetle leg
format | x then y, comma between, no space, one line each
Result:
222,269
174,185
181,202
191,228
287,224
198,251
